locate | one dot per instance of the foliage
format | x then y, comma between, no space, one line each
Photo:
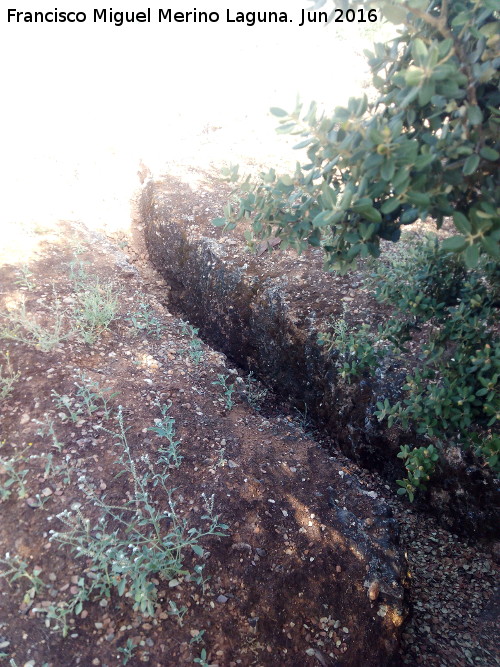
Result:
97,307
132,542
14,477
255,392
145,319
14,568
89,398
7,377
194,350
24,276
164,428
227,390
356,350
451,395
22,327
428,145
420,463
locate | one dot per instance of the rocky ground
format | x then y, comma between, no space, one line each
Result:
273,589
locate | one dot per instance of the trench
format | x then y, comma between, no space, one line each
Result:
246,315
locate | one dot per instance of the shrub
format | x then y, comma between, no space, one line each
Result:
427,146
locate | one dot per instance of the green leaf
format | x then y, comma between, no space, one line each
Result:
197,549
489,154
491,246
471,164
423,161
304,143
425,93
368,212
322,219
472,256
454,243
388,169
475,115
219,222
419,51
394,14
390,205
461,223
286,180
280,113
413,76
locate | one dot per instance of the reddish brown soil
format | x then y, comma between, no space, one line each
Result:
246,458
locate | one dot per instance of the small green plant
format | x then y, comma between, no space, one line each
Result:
202,659
14,568
164,428
487,448
65,402
221,462
7,377
356,351
93,397
14,476
130,543
97,307
227,390
77,273
24,328
145,319
197,638
177,613
60,613
420,463
24,276
255,392
90,397
46,428
127,651
194,350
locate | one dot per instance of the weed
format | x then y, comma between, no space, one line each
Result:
24,276
222,460
89,398
177,613
46,428
65,402
16,568
144,319
63,611
7,377
23,328
255,392
132,542
197,638
15,477
164,428
98,307
78,274
202,660
305,423
127,651
92,397
356,351
194,350
227,390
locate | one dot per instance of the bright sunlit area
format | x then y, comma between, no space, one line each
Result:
84,102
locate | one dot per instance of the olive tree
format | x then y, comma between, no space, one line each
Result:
428,145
